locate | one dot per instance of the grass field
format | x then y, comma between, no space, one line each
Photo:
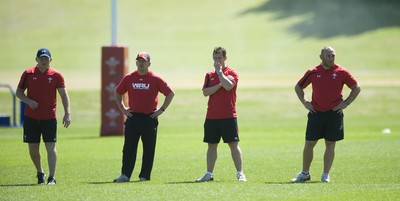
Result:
271,44
366,166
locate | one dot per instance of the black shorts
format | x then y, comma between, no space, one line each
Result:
328,125
33,129
214,129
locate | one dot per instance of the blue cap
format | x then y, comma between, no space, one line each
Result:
43,52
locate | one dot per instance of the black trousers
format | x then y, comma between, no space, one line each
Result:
136,127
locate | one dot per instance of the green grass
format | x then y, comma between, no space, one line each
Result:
271,44
272,134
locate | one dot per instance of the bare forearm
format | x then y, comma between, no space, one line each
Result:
355,90
226,83
211,90
66,103
121,105
64,99
167,100
118,100
300,94
302,97
21,95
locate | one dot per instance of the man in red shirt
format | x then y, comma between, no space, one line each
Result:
142,87
221,119
41,83
325,117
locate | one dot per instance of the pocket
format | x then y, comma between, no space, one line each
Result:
128,120
155,122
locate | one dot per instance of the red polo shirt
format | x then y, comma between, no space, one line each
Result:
143,91
221,104
41,87
327,85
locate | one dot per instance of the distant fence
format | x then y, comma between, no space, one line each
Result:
4,118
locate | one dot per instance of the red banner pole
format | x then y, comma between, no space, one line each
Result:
115,66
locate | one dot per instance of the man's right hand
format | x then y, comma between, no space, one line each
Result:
33,104
127,112
217,65
309,106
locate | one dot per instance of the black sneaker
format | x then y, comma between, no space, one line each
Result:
40,177
51,181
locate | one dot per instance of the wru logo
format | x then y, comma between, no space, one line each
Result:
141,86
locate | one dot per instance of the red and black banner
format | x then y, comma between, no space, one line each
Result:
114,66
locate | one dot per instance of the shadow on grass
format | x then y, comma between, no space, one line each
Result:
102,182
270,183
17,185
191,182
325,19
111,182
308,182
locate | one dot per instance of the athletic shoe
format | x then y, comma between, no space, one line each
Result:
41,177
325,177
301,177
143,179
51,181
206,177
121,178
241,177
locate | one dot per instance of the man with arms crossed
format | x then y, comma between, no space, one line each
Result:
220,85
325,117
42,82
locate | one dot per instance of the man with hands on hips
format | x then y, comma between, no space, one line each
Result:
142,87
325,117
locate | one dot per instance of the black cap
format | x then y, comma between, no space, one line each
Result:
43,52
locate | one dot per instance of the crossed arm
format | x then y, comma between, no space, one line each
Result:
226,82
